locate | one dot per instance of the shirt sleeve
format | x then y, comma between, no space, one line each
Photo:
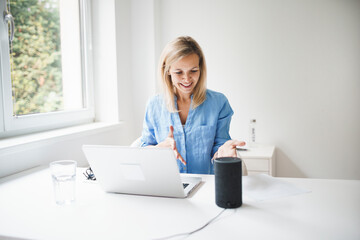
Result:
223,126
148,132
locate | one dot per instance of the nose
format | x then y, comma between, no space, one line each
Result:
186,77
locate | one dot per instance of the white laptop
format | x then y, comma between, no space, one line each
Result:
137,170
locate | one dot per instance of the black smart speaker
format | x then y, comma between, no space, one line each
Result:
228,184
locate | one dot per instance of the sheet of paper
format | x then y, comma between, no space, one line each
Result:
264,187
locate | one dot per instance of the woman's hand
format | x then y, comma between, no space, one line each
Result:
228,149
169,142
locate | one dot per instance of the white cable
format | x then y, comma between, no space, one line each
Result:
194,231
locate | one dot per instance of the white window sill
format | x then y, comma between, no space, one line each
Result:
20,143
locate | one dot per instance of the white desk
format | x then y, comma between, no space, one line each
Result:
28,211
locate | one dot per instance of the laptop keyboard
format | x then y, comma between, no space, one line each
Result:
185,185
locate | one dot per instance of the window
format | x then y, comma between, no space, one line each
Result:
45,65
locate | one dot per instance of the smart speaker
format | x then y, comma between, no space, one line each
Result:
228,184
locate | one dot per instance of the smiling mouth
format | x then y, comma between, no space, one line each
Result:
186,85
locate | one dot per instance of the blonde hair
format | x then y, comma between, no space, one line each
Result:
173,52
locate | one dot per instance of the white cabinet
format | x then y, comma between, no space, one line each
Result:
259,159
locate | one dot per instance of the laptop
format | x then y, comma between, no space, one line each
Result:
138,170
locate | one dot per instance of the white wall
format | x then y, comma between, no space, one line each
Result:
143,58
292,65
126,104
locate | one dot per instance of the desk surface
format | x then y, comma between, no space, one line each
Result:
27,211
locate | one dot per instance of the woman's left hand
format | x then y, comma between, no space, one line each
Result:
228,149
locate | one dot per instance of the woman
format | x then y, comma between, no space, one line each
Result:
190,119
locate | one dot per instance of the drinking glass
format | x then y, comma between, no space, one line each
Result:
63,174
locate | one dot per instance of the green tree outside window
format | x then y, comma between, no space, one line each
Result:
35,57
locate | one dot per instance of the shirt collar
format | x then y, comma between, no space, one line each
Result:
175,101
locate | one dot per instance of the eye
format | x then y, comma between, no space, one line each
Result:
194,71
178,73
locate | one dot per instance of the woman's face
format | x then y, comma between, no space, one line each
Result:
185,74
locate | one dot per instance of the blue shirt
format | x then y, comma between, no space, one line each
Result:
206,129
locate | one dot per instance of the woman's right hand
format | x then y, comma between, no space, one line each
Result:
169,142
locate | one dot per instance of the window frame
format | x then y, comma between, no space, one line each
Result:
17,125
